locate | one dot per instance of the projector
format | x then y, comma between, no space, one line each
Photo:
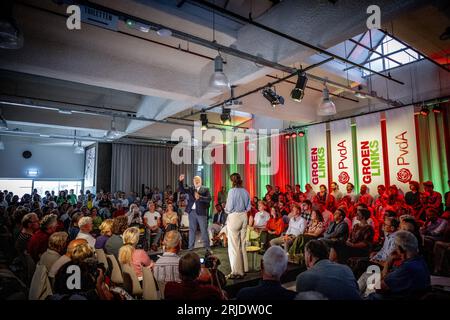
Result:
232,104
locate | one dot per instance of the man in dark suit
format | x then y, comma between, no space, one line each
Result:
197,208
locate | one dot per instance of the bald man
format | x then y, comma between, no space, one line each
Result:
197,208
65,258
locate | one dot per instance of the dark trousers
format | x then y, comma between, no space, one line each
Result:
201,221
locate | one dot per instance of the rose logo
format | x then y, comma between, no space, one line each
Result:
343,177
404,175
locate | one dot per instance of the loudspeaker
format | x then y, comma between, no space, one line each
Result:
27,154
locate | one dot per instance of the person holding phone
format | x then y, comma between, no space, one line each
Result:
238,204
197,208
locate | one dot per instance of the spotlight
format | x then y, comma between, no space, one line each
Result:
294,135
218,80
437,109
204,120
287,136
424,111
113,133
164,33
360,95
225,117
272,97
301,134
326,107
79,148
299,91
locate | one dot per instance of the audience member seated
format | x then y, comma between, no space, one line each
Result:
39,241
189,288
273,265
115,242
411,278
434,197
434,226
219,221
337,230
335,281
309,192
306,208
274,227
30,224
359,242
128,254
313,231
170,219
57,245
63,259
105,233
166,267
73,228
85,225
152,222
297,225
390,227
335,191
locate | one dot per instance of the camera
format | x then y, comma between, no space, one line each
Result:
208,261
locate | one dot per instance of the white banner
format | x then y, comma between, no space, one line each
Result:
342,153
317,154
369,151
402,148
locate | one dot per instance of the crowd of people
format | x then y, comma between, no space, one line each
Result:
336,236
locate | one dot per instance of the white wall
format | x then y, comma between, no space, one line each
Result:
53,161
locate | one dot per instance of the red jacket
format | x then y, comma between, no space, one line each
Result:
38,244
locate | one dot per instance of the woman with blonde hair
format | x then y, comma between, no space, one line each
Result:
170,219
128,254
105,233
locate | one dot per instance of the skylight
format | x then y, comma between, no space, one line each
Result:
389,54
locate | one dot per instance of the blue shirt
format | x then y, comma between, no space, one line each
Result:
238,200
410,277
333,280
387,249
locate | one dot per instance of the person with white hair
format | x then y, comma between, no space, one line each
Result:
411,278
85,224
273,265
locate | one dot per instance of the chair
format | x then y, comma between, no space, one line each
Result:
116,273
253,250
130,281
101,256
149,285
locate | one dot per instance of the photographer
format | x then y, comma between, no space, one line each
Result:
191,287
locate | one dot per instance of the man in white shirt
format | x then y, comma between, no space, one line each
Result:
152,222
85,225
297,225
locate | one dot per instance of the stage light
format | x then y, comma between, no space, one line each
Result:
287,136
272,97
437,109
326,106
204,120
424,111
299,91
218,80
294,135
301,134
79,148
225,117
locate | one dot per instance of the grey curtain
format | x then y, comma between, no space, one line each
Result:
134,165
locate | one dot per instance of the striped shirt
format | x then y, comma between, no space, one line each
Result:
166,268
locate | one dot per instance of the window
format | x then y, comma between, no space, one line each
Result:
56,186
17,186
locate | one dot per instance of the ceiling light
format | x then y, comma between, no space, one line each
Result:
272,97
299,91
64,111
44,135
326,106
3,124
359,94
204,120
424,111
225,117
232,103
79,148
164,33
437,109
287,136
301,133
218,80
113,133
10,35
294,135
